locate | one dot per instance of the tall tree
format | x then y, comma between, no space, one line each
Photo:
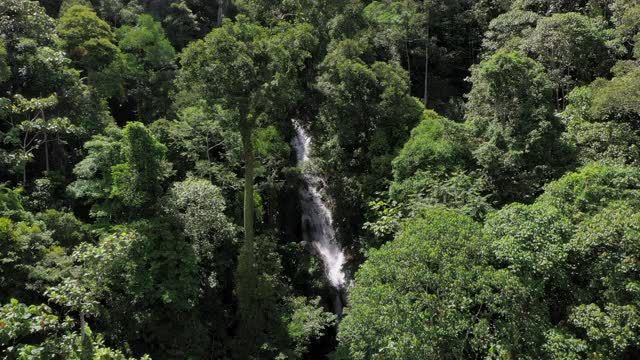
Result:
602,119
575,49
122,175
365,116
251,71
138,181
510,112
571,244
90,42
507,30
39,85
149,58
32,129
432,294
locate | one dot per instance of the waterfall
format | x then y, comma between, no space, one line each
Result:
317,219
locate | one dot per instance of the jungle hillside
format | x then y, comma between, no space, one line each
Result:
319,179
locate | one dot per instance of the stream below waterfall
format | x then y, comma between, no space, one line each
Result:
317,220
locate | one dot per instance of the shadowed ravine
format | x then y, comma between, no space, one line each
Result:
317,220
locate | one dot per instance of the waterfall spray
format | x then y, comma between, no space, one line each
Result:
317,219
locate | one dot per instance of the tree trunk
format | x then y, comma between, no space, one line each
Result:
209,159
248,183
406,48
250,325
426,7
220,12
46,144
83,324
85,342
25,144
425,99
46,152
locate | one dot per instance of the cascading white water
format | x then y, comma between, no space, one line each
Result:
317,219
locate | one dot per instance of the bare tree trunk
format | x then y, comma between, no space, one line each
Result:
427,12
249,170
425,99
46,152
24,165
406,47
209,158
46,144
85,342
221,5
83,325
247,278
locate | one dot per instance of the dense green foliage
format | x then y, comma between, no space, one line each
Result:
511,112
479,159
554,279
448,302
